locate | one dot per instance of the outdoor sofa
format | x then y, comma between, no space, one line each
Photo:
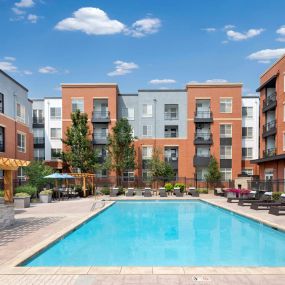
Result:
147,192
268,205
162,192
114,192
178,192
130,192
193,192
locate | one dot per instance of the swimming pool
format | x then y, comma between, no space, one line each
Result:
166,233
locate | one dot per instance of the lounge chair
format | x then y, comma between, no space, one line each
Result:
193,192
267,205
130,192
114,192
219,192
147,192
178,192
275,210
162,192
266,197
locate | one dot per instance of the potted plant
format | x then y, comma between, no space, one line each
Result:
168,187
231,193
244,193
45,196
181,186
22,200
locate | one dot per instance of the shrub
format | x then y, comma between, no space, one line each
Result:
202,190
181,186
1,193
105,191
46,192
29,189
276,195
22,195
168,187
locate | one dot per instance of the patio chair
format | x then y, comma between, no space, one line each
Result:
130,192
267,205
193,192
277,210
147,192
138,192
162,192
114,192
266,197
178,192
219,192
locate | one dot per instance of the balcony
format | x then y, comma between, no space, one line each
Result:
171,116
203,138
172,160
100,139
203,117
39,158
269,152
102,159
269,103
101,117
269,129
201,160
38,122
39,141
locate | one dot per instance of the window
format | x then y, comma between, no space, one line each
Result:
200,174
128,176
2,139
226,174
225,152
247,171
247,112
55,113
55,153
38,116
247,152
146,175
55,133
147,110
171,154
21,174
171,112
225,105
39,153
147,131
21,142
171,131
1,103
146,152
39,136
247,132
101,173
128,113
20,113
226,131
77,104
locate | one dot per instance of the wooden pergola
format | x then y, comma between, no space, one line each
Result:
9,165
84,176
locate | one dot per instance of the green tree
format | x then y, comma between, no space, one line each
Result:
213,173
80,152
36,171
121,150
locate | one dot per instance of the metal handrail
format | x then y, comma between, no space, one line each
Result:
169,116
101,114
203,114
269,152
270,99
269,126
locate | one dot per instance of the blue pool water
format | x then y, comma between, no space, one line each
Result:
167,233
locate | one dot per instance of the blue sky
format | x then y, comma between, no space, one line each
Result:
139,43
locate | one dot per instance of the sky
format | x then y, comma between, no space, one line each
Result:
139,44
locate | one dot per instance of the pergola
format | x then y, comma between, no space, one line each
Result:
9,165
84,176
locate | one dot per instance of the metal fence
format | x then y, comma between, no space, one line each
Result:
267,185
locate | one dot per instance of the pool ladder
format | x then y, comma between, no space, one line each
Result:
97,205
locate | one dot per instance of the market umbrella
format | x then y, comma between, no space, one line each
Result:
55,176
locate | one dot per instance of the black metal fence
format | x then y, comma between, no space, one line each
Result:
267,185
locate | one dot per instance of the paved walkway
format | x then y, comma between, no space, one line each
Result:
39,222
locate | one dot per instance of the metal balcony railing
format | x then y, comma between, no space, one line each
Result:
271,99
269,152
38,120
171,116
171,134
101,115
38,140
203,114
269,126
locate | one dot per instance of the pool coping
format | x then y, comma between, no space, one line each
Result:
12,267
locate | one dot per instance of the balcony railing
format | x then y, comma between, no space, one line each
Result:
269,152
203,138
39,140
38,120
170,158
171,134
101,116
205,116
39,158
171,116
269,102
100,139
269,126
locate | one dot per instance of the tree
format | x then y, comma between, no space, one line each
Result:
80,152
213,173
160,168
121,150
36,171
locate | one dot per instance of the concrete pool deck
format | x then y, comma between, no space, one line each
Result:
38,226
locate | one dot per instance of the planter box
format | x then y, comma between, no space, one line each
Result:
22,202
45,198
231,195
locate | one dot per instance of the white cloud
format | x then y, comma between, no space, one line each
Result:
266,55
32,18
10,58
282,40
229,27
27,72
91,21
162,81
8,66
122,68
48,70
25,4
237,36
209,30
281,33
144,27
18,11
216,81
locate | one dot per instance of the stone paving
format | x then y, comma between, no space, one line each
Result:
42,221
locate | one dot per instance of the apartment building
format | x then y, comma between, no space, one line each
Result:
271,159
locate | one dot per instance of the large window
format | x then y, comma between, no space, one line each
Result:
170,111
2,139
247,112
226,131
147,152
21,173
77,104
55,133
225,152
20,113
226,174
55,113
226,105
247,132
147,110
21,142
1,103
38,116
39,153
55,153
146,175
129,176
247,152
39,136
171,153
147,131
128,113
171,131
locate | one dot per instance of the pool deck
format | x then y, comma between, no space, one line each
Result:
38,226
